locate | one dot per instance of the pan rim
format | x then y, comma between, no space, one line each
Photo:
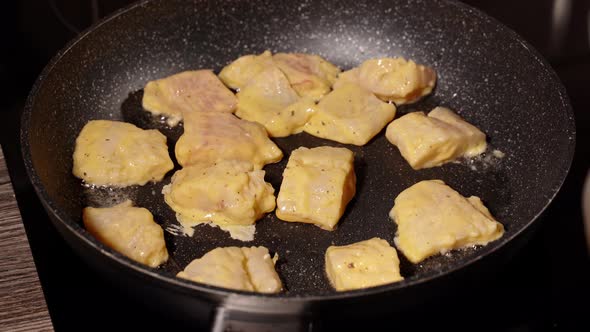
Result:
197,288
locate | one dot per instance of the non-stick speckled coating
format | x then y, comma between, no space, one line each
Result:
485,73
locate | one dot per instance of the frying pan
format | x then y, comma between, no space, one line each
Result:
487,73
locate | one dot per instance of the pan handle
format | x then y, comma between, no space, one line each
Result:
232,320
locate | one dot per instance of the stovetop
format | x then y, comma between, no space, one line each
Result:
544,286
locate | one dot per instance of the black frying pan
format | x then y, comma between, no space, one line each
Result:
486,72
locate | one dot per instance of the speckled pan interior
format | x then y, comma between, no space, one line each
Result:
486,73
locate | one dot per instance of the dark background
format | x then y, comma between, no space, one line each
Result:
545,286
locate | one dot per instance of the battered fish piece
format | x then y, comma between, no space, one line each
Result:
269,100
279,91
187,92
361,265
211,137
429,141
119,154
392,79
317,185
345,77
227,193
247,269
433,218
129,230
239,73
351,115
310,75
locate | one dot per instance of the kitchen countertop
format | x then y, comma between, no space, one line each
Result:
22,304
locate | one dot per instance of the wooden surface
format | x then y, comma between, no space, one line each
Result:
22,304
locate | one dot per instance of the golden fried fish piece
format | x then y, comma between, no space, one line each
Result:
433,218
228,194
310,75
210,137
119,154
187,92
129,230
269,100
429,141
240,72
317,185
351,115
247,269
362,264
